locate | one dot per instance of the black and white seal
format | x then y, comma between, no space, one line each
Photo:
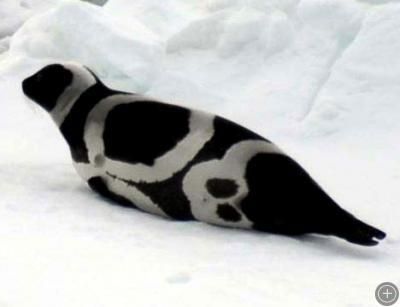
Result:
185,164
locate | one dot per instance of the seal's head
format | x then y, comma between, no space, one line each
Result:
47,85
56,87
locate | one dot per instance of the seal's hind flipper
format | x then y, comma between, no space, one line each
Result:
360,233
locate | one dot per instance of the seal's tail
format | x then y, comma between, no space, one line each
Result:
358,232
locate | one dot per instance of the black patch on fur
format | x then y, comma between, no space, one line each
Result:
142,131
284,199
228,213
73,126
222,188
168,194
226,134
46,86
97,184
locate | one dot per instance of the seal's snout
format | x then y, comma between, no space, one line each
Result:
25,86
28,86
32,87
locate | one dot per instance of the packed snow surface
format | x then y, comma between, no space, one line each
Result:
321,78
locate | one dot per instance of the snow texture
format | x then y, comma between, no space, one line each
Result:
318,77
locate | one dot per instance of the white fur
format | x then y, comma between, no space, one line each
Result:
82,80
143,202
231,166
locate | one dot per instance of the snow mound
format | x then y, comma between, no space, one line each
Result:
260,5
162,17
363,89
230,31
117,51
13,13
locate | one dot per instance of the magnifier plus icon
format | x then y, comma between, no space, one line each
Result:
387,294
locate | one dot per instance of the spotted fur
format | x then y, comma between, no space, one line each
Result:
184,164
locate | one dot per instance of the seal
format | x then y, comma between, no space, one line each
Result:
185,164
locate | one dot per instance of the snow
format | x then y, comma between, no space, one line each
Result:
13,13
140,47
320,78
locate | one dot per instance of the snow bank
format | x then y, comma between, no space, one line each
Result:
265,56
320,77
363,89
85,33
13,13
161,17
